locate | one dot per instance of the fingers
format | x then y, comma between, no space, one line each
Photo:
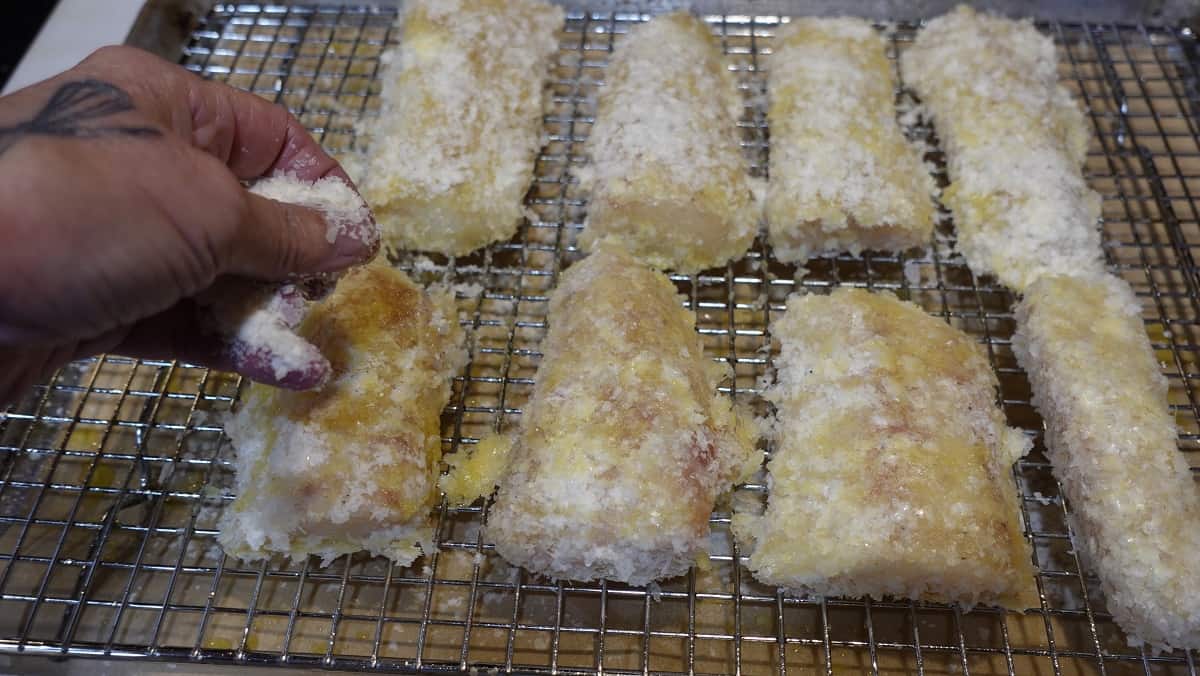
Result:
257,321
190,333
187,332
298,366
180,333
252,136
21,369
263,345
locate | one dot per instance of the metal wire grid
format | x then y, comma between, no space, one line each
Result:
112,474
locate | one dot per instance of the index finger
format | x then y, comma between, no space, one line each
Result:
251,135
254,137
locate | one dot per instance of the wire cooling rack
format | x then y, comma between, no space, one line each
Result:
113,474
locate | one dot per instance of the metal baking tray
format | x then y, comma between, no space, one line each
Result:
113,473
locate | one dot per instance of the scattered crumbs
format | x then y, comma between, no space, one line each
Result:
467,289
758,187
656,6
423,264
339,107
912,272
1043,499
654,591
947,240
306,162
931,168
757,99
570,59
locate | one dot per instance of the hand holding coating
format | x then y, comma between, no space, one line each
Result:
121,200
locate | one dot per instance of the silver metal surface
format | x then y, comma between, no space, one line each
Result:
112,475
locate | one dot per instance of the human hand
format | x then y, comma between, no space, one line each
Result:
121,201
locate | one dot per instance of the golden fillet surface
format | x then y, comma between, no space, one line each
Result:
667,178
1111,439
625,444
452,152
1015,142
843,177
892,468
353,466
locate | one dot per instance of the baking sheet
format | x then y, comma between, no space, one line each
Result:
112,475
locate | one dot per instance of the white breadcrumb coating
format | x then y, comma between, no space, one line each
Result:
452,151
355,465
345,212
1015,143
892,469
843,177
1111,439
625,444
667,178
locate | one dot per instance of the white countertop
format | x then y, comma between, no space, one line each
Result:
74,30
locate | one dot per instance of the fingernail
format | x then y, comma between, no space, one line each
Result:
354,242
295,366
312,378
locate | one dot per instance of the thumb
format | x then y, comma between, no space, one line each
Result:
289,227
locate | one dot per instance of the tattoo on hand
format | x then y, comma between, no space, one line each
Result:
77,110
